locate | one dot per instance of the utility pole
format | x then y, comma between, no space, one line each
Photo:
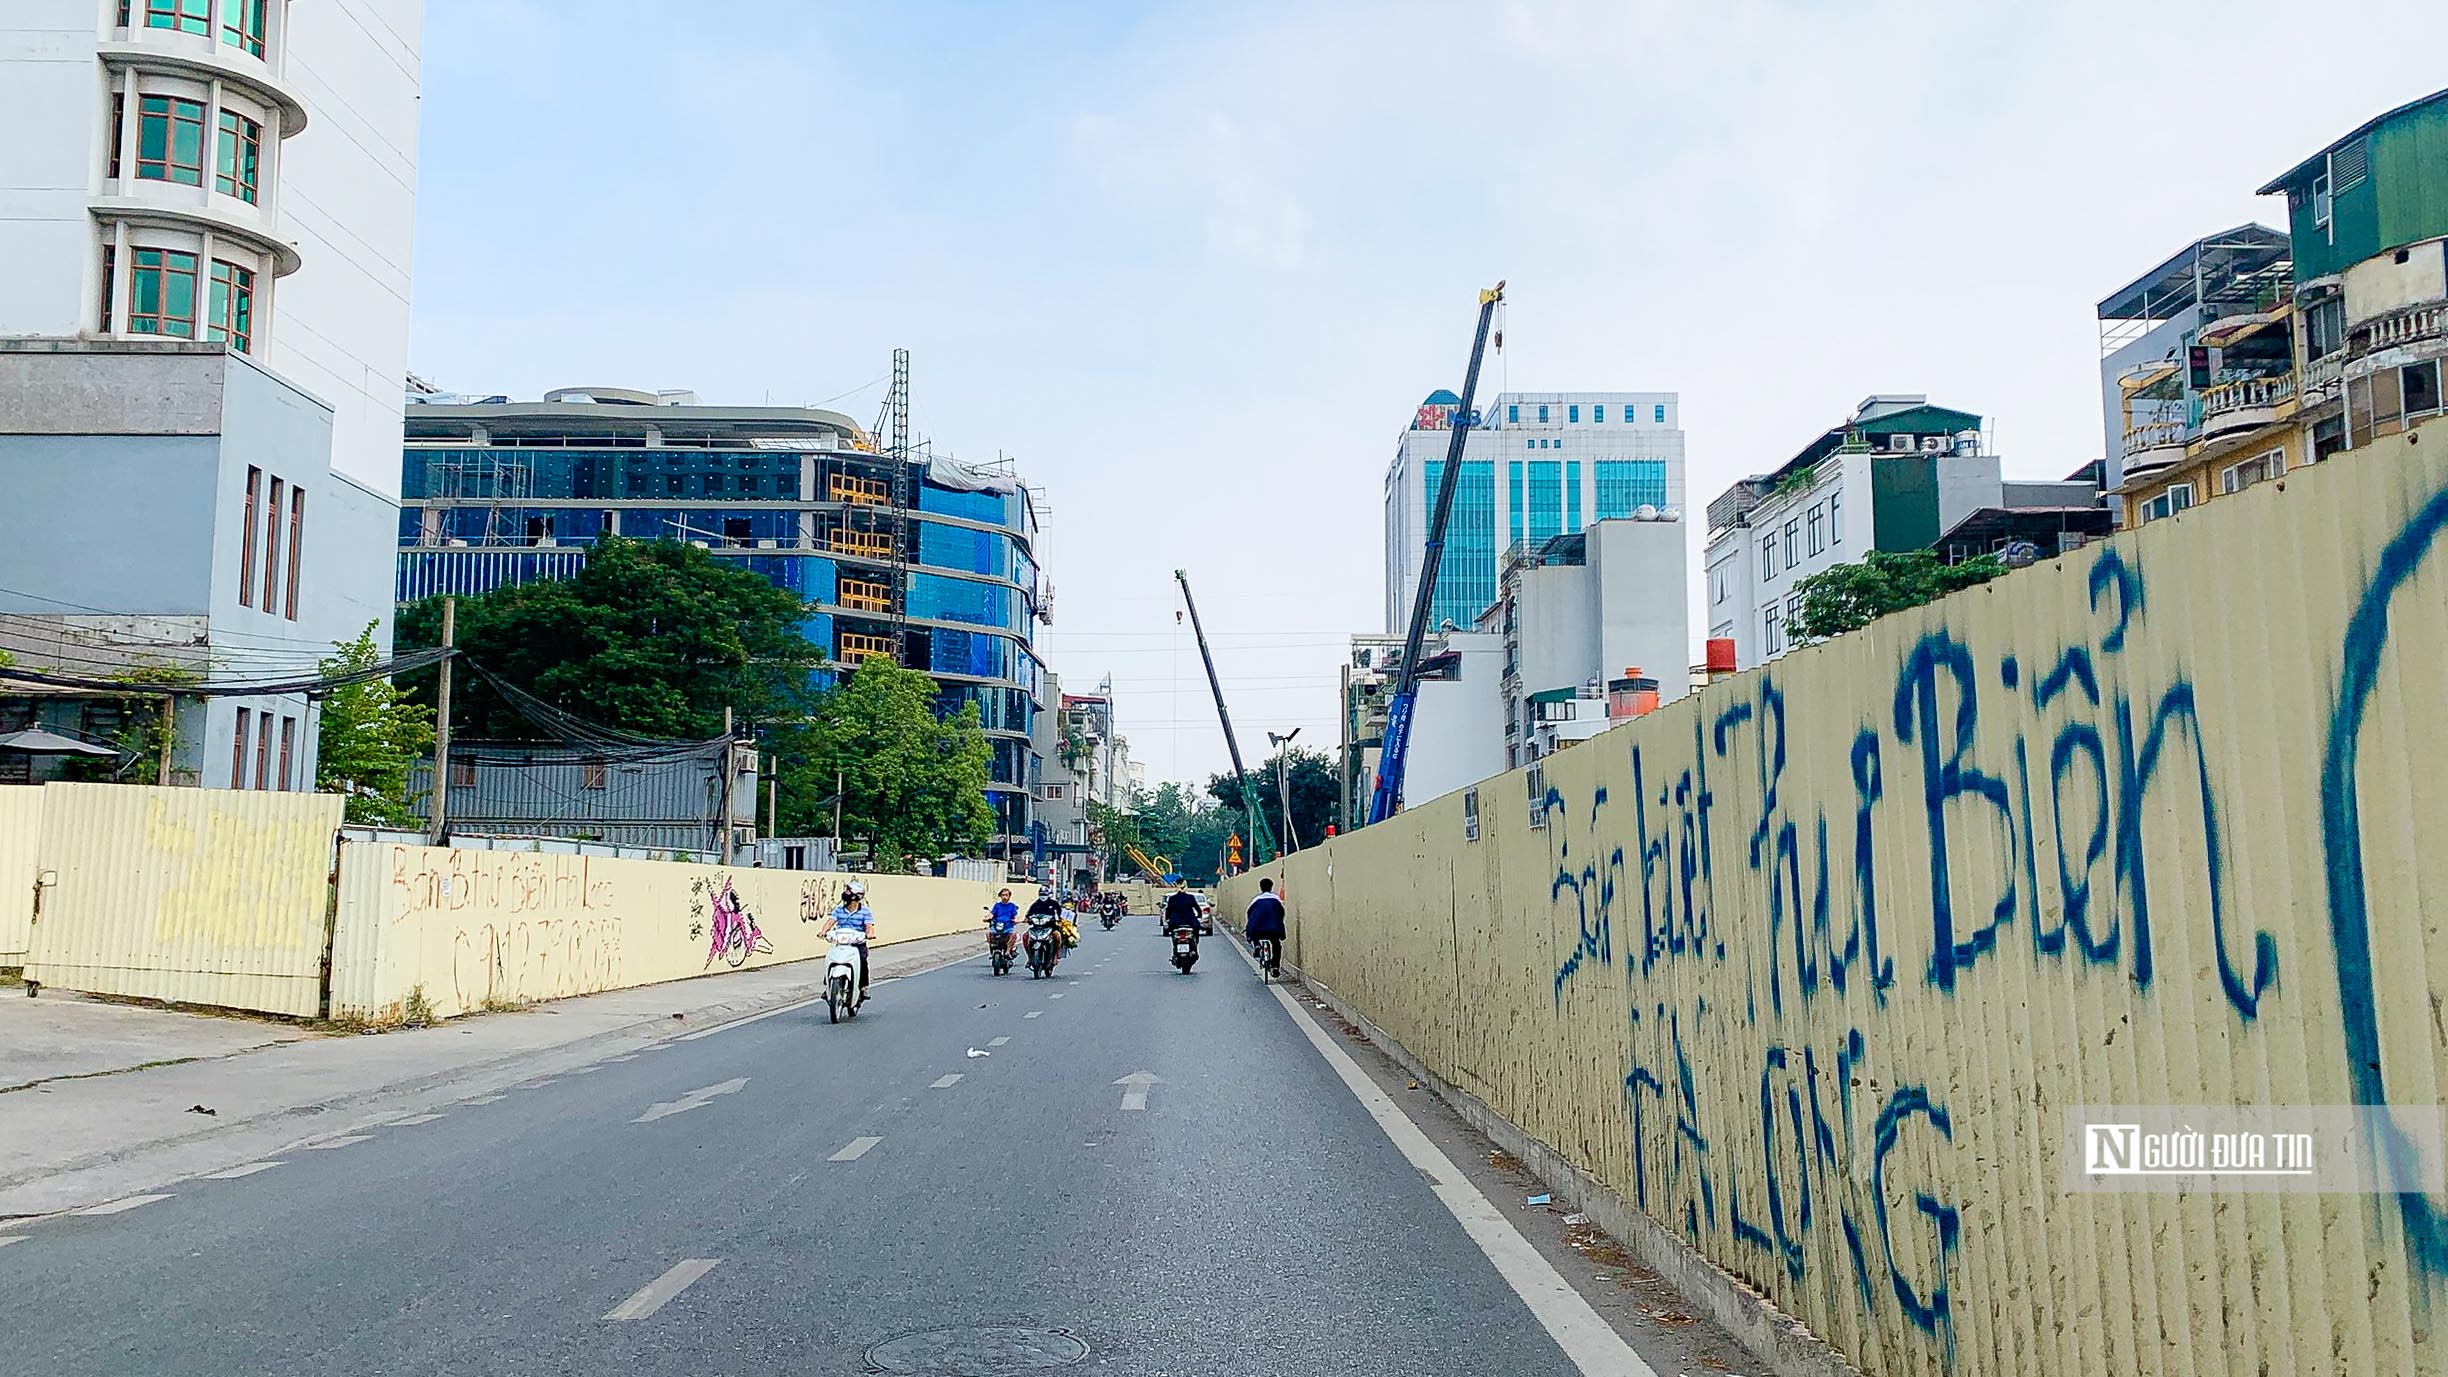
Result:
730,772
438,814
838,786
1283,784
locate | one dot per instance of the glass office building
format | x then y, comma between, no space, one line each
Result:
495,492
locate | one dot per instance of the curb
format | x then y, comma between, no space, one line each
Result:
1767,1333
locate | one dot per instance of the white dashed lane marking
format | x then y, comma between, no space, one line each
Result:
119,1206
1034,1013
7,1239
946,1082
655,1294
235,1172
854,1150
998,1042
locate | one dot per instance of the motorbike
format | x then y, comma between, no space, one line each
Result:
999,951
842,974
1109,918
1185,948
1044,944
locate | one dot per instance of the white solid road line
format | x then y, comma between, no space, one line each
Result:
625,1056
235,1172
118,1206
1586,1338
947,1082
7,1239
658,1293
329,1143
412,1121
854,1150
695,1099
998,1042
744,1022
484,1099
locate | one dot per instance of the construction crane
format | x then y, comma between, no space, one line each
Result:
1387,800
1262,841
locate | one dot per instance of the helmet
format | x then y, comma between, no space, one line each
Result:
854,890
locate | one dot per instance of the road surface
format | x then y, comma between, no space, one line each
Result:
1147,1174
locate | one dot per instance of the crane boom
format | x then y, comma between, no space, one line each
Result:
1387,798
1262,840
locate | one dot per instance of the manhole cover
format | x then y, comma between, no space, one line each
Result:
986,1351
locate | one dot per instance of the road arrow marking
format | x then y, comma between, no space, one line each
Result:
655,1294
1135,1088
695,1099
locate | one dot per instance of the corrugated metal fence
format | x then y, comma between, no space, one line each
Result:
1807,967
20,843
191,895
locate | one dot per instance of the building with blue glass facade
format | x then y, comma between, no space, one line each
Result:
923,560
1537,465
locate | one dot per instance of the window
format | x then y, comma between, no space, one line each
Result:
263,750
1542,413
1573,413
1768,564
2420,383
162,293
2176,498
2328,437
2375,405
1572,495
1814,524
242,25
463,774
2241,476
297,542
1514,487
170,140
187,16
1546,500
1598,415
2325,328
110,283
591,774
288,745
1719,582
1773,632
230,310
1793,542
272,546
118,134
1627,485
2320,201
1661,415
246,539
238,743
239,156
735,530
1835,518
1512,415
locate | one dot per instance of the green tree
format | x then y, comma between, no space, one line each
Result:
655,637
1312,780
913,784
371,735
1851,596
1115,831
1176,824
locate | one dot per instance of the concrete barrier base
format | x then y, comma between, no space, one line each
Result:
1774,1337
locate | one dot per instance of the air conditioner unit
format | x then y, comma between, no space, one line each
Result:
1933,444
1900,444
769,544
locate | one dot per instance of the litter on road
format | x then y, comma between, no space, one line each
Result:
1536,1200
978,1052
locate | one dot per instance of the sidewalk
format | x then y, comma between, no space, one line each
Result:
99,1099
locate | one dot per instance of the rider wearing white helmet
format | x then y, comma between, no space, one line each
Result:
852,913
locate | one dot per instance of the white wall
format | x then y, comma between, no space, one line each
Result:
1555,618
348,197
1457,726
1643,606
52,102
2163,341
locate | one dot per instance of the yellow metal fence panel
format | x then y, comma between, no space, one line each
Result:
191,895
1807,966
464,929
20,844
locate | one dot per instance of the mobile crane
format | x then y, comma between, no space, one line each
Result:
1262,840
1387,799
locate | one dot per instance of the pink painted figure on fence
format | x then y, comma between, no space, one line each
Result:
735,937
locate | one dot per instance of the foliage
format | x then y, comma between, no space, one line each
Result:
913,785
655,637
1175,823
1851,596
371,735
148,729
1312,780
1115,831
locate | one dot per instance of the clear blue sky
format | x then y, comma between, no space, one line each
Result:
1193,265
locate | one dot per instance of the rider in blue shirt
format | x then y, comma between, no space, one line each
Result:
853,914
1004,918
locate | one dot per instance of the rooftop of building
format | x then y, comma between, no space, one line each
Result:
2312,166
617,415
1880,415
2233,266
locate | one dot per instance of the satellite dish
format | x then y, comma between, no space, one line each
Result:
1646,512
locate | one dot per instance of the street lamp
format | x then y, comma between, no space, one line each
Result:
1283,785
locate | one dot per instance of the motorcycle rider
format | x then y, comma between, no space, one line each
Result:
1266,919
1181,910
1002,919
1051,909
853,914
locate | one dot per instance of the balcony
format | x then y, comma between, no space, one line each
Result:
2409,325
2153,445
2244,403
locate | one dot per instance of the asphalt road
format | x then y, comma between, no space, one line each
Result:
850,1187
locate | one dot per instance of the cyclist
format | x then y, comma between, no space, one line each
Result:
1266,921
853,914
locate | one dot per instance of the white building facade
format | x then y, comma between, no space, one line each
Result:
1582,611
1537,465
232,171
